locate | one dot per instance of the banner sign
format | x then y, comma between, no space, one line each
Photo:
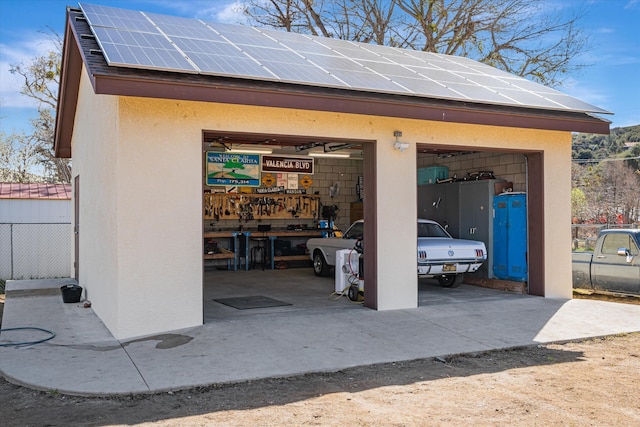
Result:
270,190
231,169
287,164
279,190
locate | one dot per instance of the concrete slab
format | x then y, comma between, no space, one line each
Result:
314,334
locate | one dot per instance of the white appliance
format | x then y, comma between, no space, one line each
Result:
347,270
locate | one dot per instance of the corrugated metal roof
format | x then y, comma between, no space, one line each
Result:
15,190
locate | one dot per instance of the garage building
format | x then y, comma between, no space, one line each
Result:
151,105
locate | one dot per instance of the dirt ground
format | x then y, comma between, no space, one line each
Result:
593,382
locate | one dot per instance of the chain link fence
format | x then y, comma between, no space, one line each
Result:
584,235
35,251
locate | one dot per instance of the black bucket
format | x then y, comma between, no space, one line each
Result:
71,293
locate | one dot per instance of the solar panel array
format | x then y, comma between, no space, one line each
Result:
152,41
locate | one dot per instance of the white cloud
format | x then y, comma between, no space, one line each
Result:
226,11
632,4
231,13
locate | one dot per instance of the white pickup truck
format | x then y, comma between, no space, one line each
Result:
439,255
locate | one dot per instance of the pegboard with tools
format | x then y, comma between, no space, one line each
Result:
247,207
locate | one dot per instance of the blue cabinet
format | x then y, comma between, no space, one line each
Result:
510,237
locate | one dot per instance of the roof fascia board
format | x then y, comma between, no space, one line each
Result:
369,105
70,71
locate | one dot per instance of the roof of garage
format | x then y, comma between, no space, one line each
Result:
133,53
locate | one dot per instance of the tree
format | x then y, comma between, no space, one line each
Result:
17,158
40,82
579,205
518,36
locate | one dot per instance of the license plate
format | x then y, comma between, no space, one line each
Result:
449,267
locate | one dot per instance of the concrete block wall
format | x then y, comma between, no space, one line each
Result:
508,166
328,171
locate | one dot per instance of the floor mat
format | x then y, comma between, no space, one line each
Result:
245,303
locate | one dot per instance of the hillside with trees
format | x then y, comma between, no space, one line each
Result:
606,177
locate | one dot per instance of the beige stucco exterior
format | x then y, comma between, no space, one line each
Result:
140,167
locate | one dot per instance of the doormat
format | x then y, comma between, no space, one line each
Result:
246,303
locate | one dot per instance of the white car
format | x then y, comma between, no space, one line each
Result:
439,255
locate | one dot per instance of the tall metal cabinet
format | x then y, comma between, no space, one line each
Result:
467,208
439,202
510,224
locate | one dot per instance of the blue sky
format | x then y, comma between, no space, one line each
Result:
612,81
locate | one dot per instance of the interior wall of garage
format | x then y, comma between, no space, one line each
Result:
511,167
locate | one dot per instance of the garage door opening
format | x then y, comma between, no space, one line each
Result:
264,196
489,196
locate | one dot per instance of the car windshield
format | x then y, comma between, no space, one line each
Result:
355,232
429,229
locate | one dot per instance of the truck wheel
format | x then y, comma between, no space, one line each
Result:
450,280
320,266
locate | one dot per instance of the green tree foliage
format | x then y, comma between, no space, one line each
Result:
606,169
579,205
619,143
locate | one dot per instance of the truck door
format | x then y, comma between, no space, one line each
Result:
613,272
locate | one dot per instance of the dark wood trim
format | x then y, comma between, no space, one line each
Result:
284,95
535,209
70,70
370,227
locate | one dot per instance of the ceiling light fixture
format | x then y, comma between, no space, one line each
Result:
334,155
250,151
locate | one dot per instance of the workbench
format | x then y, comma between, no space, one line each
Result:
285,234
235,236
226,254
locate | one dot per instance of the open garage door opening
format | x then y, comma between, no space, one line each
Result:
264,196
494,197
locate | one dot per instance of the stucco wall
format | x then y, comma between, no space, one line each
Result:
155,152
159,172
396,173
94,160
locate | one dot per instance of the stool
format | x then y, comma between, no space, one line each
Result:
261,250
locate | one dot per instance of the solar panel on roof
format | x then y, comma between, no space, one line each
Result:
148,40
111,17
308,74
140,50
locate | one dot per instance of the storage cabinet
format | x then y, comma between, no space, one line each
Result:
440,203
476,218
431,174
356,211
466,209
510,237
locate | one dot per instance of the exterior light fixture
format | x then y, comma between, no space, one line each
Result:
399,145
